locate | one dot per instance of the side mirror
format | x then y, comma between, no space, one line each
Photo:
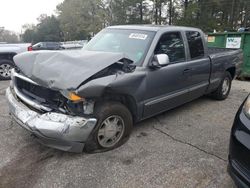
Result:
160,60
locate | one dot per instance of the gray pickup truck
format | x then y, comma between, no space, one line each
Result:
88,100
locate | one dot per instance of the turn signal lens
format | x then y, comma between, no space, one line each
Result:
74,97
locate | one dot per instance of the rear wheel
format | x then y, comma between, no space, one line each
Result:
5,69
113,127
224,89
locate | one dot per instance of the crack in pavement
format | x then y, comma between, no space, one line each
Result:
186,143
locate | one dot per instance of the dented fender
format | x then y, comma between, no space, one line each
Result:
96,87
121,83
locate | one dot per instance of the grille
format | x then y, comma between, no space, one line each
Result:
41,94
242,169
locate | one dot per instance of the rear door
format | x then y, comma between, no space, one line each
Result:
198,70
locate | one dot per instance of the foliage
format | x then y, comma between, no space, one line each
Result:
8,36
48,29
219,15
81,19
130,12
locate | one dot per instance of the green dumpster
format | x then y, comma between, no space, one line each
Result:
233,40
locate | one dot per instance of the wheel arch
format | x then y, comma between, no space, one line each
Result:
7,56
126,100
232,71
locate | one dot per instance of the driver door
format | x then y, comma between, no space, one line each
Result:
168,86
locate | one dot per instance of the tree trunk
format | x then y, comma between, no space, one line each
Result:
170,12
156,11
141,11
110,8
232,14
242,16
185,8
160,11
246,14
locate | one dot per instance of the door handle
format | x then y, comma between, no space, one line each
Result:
186,71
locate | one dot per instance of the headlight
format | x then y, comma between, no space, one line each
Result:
72,96
246,107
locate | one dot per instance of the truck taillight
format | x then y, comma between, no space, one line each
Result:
30,48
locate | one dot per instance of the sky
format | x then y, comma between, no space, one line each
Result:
15,13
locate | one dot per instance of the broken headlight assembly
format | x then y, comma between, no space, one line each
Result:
77,105
246,107
72,96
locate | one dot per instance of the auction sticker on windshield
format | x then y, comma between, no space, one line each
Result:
138,36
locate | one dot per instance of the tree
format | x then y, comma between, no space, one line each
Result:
219,15
48,29
29,33
8,36
29,36
129,12
80,19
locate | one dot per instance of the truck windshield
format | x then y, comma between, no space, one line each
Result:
133,43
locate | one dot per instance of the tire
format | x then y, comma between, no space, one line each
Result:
5,68
223,91
100,139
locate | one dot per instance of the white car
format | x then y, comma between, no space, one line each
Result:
7,52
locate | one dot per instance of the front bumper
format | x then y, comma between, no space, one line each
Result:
55,130
239,152
236,173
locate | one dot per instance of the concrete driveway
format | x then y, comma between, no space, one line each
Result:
185,147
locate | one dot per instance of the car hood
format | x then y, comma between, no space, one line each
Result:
64,70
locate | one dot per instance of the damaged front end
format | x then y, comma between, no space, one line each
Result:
60,118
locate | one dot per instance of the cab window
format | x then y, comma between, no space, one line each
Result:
172,45
195,44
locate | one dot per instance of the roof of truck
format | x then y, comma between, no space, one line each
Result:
152,27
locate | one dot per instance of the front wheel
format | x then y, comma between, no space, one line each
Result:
5,69
224,89
113,127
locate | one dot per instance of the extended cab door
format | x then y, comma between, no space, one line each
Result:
199,64
168,87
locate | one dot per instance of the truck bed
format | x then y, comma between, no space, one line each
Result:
215,50
226,57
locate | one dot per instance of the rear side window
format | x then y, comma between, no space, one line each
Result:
172,45
196,47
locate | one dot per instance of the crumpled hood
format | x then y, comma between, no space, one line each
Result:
63,70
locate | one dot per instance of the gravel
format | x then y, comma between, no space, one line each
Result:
184,147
